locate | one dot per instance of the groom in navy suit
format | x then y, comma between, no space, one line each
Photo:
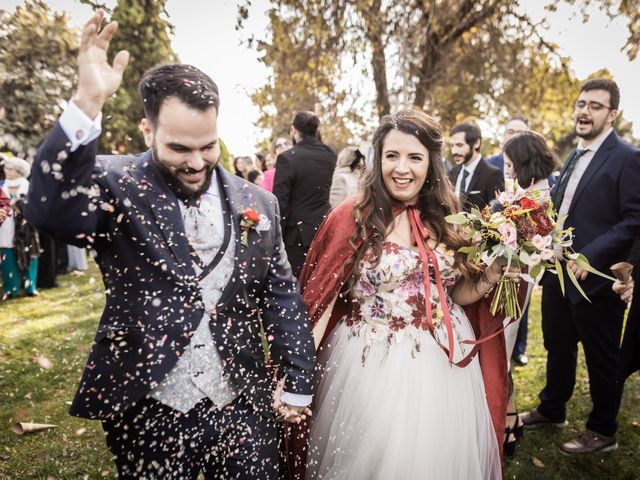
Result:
598,194
194,269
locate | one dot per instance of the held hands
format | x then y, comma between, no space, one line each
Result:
625,290
97,80
284,412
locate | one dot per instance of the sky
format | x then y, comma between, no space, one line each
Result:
205,36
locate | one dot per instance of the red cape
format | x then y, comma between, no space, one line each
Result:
327,268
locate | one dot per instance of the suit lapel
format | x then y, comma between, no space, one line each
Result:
235,195
453,174
473,181
598,160
164,205
475,178
554,189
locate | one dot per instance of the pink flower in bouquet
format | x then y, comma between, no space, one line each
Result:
535,259
541,242
509,235
547,254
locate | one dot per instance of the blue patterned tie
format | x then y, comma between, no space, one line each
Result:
564,181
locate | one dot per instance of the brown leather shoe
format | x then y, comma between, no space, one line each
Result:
534,418
589,442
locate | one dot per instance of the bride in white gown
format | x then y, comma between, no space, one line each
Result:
390,402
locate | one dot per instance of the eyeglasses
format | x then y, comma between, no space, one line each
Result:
593,106
283,145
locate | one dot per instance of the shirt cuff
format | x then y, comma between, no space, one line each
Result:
78,127
296,400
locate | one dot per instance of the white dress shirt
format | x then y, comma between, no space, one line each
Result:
578,171
471,168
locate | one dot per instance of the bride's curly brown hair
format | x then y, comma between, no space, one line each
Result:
373,213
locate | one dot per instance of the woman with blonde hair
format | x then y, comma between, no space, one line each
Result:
349,168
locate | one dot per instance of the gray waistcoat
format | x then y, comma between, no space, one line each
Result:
198,372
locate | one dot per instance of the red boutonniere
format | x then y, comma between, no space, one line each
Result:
251,220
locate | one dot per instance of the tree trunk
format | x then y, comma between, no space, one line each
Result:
378,59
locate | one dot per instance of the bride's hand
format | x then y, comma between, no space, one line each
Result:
495,272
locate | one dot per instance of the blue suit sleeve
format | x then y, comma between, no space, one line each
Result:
618,237
286,322
63,200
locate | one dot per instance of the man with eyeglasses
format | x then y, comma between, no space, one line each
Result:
598,195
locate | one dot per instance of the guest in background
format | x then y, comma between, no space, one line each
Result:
598,196
77,260
346,176
514,126
301,185
2,157
260,163
279,145
5,206
19,246
474,180
256,177
242,166
529,160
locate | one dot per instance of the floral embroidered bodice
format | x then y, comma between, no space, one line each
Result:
390,298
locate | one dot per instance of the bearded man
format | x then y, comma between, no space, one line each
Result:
597,195
194,268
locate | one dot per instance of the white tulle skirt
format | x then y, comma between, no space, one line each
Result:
402,415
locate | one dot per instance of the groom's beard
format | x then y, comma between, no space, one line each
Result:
176,185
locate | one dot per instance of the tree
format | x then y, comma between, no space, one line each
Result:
455,59
614,9
38,53
305,63
143,30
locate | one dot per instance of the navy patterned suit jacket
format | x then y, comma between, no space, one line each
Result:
122,207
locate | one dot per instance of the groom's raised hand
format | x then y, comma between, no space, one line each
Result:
97,80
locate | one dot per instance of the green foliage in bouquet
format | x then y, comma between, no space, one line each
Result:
520,228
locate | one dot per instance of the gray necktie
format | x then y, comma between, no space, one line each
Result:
199,229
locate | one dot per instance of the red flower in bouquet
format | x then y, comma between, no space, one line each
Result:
529,204
544,224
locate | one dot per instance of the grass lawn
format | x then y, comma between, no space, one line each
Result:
60,326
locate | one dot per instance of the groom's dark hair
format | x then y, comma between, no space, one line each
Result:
185,82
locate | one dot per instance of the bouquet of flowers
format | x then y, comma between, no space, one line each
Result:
520,228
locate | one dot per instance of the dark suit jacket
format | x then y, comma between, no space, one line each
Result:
482,186
497,161
301,185
124,209
605,211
